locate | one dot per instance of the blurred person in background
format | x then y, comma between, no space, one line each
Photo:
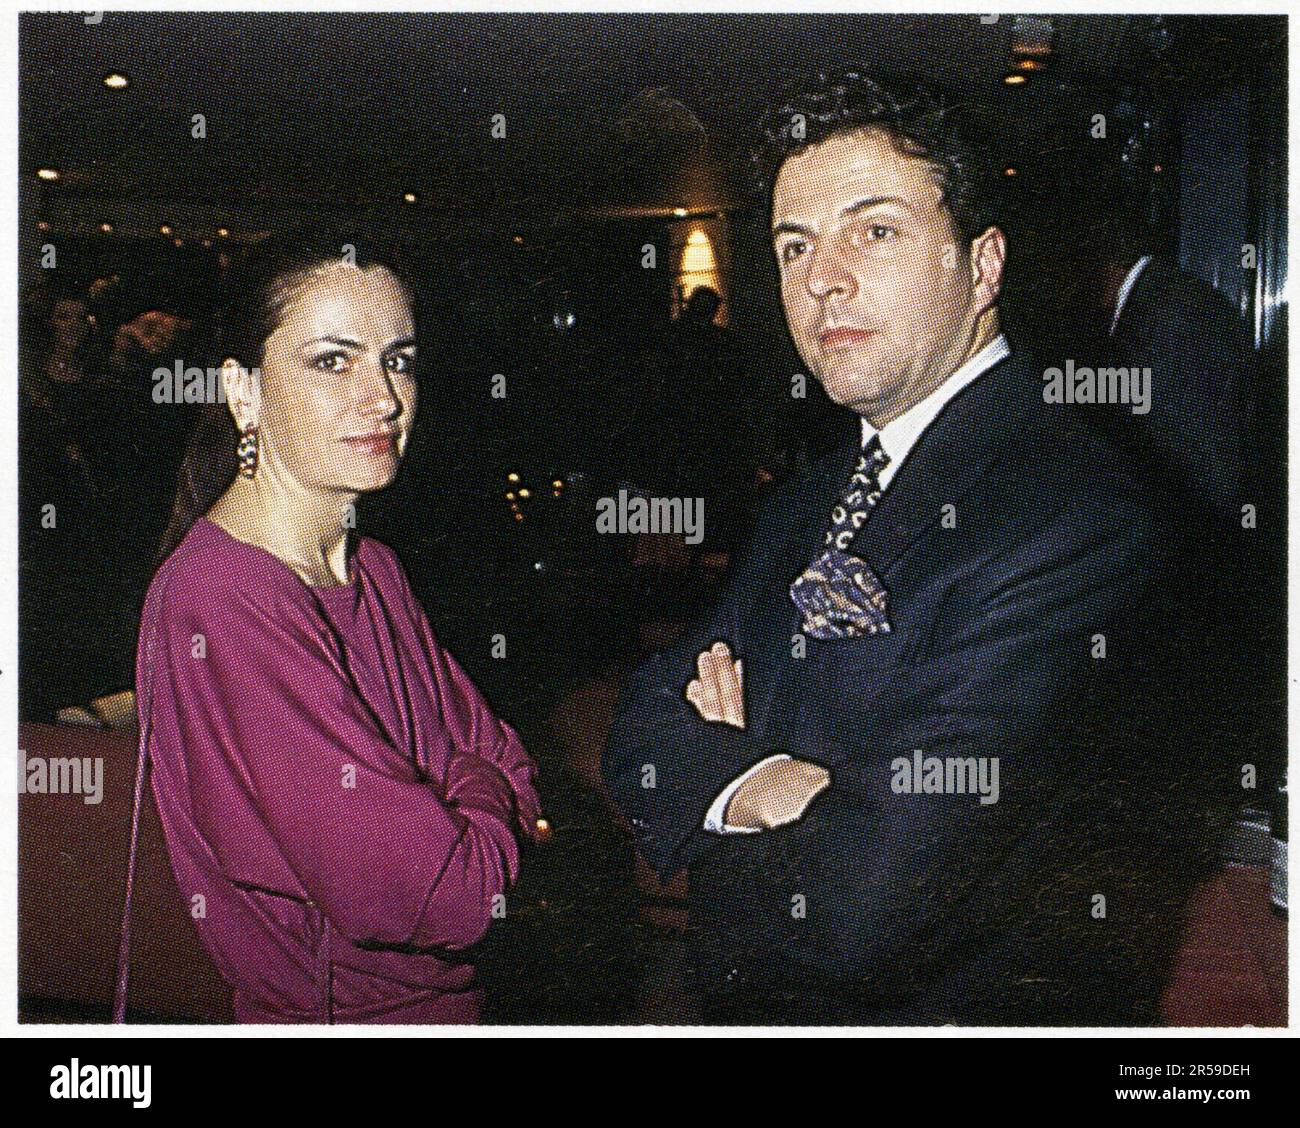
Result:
69,589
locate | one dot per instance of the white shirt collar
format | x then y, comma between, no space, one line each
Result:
1127,288
898,437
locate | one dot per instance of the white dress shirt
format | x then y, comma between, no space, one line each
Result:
1127,288
897,440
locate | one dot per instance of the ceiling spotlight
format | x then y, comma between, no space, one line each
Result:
680,213
410,197
223,231
165,229
42,226
50,174
1028,64
1010,170
519,239
178,242
1032,35
1014,79
116,81
106,228
512,477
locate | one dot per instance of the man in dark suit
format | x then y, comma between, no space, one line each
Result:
865,755
1195,438
1198,450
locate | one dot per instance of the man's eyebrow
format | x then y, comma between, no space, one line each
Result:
789,227
875,201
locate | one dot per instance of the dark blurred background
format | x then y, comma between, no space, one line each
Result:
575,256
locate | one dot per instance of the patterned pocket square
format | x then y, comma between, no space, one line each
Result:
840,597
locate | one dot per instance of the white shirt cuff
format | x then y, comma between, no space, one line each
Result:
713,820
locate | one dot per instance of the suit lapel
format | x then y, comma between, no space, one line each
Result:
824,488
810,515
1141,308
948,459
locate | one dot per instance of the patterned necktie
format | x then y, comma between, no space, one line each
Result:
839,595
860,498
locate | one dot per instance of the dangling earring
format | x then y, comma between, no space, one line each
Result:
247,451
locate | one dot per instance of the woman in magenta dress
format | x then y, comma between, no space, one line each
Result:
341,808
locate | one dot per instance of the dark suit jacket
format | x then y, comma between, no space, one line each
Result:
922,908
1199,456
1197,438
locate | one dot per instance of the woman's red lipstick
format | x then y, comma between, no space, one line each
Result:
374,444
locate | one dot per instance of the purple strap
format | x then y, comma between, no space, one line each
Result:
124,942
141,770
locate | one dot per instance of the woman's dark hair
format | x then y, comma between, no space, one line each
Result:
253,302
919,119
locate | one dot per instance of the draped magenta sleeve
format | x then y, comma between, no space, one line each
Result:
472,721
320,745
388,856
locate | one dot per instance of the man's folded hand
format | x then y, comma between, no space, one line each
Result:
718,694
776,795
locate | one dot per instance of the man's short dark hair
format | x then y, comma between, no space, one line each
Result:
919,119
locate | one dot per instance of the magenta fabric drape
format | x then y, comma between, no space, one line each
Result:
341,807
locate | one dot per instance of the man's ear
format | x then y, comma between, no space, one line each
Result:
988,257
243,391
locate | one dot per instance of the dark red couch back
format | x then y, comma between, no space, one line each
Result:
71,881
